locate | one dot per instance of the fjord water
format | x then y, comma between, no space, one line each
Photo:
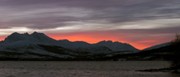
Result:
82,69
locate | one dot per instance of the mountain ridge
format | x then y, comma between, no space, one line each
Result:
41,44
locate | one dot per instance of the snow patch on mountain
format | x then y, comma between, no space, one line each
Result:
117,46
34,38
84,47
31,43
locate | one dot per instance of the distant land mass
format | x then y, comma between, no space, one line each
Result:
40,46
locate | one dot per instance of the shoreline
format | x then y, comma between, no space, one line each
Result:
170,70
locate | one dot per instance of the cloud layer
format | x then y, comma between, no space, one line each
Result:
136,19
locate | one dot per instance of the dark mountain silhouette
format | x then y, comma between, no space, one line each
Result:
117,46
167,51
38,46
41,47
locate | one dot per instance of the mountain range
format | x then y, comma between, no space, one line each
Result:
40,46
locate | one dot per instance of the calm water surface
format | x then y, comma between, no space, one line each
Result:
82,69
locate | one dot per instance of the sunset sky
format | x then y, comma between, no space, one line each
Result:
142,23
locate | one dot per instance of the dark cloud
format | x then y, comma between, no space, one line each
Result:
140,22
43,14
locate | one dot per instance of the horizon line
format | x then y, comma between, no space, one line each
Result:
30,33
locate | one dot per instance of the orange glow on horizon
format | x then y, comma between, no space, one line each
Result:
86,38
96,38
91,40
2,38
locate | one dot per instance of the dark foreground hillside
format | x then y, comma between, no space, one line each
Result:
169,53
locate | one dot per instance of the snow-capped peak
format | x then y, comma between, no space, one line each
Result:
34,37
41,44
17,40
41,37
14,37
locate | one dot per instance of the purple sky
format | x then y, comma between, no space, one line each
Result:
140,22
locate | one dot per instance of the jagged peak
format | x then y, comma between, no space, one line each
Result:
104,41
15,33
108,41
66,40
26,33
34,37
16,37
80,42
37,33
112,42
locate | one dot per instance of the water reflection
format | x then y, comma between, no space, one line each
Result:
82,69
